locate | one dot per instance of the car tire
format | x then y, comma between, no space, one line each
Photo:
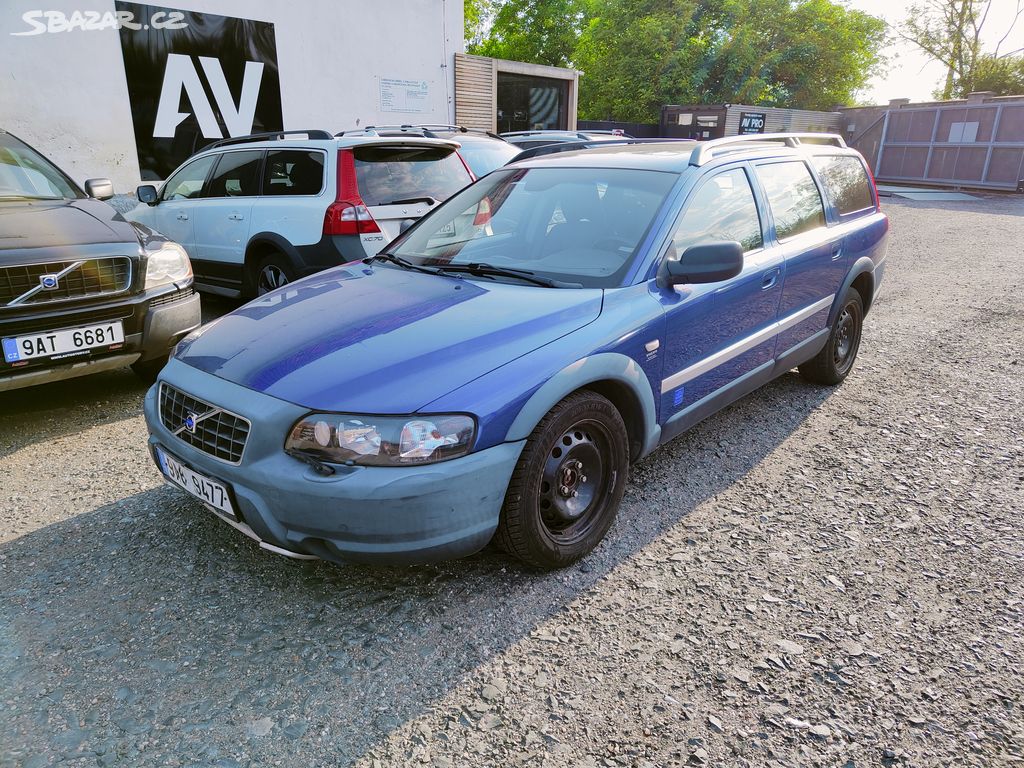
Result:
835,361
566,488
148,370
273,271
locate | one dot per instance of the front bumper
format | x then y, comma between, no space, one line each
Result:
387,515
153,324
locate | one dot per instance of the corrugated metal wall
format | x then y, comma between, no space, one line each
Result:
475,92
779,120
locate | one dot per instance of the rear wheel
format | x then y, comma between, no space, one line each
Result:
568,484
835,361
273,271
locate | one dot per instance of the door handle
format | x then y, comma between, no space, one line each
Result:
182,217
769,278
837,250
236,216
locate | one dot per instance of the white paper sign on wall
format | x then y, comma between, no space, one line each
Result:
404,95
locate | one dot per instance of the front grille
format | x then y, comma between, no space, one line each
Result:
170,298
216,432
23,285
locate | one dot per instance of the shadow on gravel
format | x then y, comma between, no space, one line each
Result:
148,632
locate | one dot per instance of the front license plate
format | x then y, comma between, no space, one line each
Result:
203,488
56,343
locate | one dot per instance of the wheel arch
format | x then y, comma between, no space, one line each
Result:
259,247
861,277
614,376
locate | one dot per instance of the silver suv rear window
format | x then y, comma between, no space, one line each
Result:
389,174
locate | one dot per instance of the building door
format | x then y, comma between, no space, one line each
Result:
527,103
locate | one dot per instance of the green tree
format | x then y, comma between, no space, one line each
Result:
537,31
637,55
949,31
476,15
1003,75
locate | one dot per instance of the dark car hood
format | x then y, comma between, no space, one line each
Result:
60,223
381,339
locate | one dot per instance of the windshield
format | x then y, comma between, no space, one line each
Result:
482,157
25,174
387,174
575,225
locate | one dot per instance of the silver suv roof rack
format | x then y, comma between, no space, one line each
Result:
705,151
419,129
314,135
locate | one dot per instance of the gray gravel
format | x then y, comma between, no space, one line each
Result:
814,576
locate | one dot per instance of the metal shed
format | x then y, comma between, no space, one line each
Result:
713,121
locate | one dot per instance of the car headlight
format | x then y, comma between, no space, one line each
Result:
382,441
168,264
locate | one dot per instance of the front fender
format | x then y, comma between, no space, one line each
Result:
601,367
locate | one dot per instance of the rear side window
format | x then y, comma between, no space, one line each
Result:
722,209
237,175
793,197
388,175
846,182
293,172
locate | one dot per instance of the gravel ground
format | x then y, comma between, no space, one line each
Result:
814,577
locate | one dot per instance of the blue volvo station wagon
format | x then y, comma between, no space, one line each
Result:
493,373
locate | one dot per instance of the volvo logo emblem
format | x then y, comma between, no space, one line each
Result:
190,423
49,282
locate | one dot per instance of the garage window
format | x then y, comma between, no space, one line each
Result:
793,197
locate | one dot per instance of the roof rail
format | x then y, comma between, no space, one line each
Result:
569,146
426,130
315,134
705,151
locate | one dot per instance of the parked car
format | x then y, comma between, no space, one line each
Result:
531,139
81,289
495,371
482,151
257,212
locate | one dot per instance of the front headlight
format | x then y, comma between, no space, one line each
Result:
382,441
169,264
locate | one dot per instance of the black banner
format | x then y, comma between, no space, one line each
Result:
752,122
194,78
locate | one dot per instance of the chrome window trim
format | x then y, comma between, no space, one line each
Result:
743,345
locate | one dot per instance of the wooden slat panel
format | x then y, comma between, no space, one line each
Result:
474,92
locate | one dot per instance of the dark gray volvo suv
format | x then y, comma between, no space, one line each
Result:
81,289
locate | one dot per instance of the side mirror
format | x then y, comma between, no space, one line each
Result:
406,223
146,194
99,189
705,263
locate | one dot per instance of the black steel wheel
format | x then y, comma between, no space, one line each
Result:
568,484
835,361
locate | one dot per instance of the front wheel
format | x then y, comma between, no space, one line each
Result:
568,483
835,361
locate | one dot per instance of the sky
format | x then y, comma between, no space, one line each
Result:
910,73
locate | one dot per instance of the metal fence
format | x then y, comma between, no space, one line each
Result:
969,145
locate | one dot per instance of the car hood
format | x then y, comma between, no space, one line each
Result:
381,339
58,223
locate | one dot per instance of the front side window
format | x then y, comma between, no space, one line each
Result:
576,225
389,174
846,182
237,175
793,197
723,209
25,174
293,172
187,183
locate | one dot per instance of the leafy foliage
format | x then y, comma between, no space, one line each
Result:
1004,75
537,31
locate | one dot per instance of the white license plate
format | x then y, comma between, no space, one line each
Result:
55,343
203,488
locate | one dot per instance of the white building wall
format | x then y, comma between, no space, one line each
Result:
65,92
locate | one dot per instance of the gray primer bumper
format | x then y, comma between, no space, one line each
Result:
390,515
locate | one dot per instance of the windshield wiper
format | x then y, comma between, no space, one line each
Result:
404,263
408,200
489,270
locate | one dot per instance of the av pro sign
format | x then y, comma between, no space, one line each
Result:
207,77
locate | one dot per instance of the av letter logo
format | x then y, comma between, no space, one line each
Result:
181,75
213,77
